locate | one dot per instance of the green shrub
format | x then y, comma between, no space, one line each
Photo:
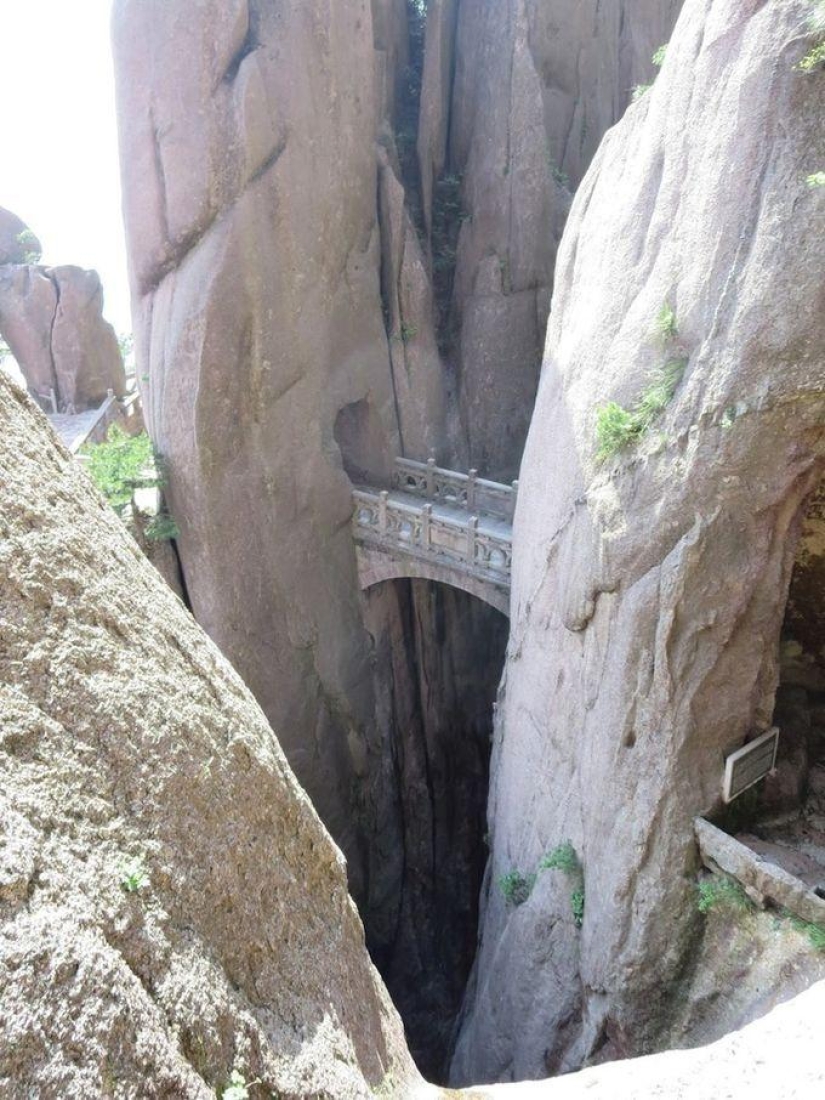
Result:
815,57
658,58
577,905
639,91
162,528
31,249
562,858
721,893
120,465
814,932
666,327
238,1087
565,858
816,179
618,427
516,887
134,876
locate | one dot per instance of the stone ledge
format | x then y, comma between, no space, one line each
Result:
763,881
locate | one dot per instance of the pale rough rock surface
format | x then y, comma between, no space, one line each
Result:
123,734
779,1056
52,320
648,592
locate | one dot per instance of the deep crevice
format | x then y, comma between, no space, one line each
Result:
439,655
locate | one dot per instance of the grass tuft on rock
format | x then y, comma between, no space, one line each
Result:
722,893
617,427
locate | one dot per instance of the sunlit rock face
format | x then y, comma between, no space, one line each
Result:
251,218
650,586
171,907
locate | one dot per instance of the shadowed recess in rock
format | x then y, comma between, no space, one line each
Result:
439,654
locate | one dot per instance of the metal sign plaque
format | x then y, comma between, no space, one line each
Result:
749,764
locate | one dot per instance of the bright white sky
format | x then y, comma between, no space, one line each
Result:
59,169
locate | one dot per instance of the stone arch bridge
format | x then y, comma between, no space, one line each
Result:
438,525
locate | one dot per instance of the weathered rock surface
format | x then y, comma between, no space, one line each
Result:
648,590
537,83
778,1056
126,736
252,223
52,320
17,242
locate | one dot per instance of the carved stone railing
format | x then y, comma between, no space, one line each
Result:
450,540
470,492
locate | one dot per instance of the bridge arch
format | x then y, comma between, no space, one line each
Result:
376,566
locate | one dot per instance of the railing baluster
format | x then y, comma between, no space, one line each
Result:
430,478
382,511
426,517
472,477
472,535
514,500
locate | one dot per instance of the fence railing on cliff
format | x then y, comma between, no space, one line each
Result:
444,530
468,491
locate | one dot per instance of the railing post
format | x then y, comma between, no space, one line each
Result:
53,399
471,489
430,478
426,517
515,499
382,511
472,535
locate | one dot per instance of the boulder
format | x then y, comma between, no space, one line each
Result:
171,908
52,320
651,569
28,303
18,245
86,354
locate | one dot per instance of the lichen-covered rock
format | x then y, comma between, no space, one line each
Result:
171,907
649,587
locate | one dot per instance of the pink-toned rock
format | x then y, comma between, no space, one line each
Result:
28,303
649,586
86,354
52,320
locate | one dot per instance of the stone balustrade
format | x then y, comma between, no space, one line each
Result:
440,524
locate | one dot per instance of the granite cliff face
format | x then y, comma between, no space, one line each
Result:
130,748
343,223
650,585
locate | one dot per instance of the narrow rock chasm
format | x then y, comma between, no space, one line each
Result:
438,659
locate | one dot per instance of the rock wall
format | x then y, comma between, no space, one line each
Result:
130,747
536,84
251,217
649,587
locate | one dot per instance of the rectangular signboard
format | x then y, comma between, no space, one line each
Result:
749,764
